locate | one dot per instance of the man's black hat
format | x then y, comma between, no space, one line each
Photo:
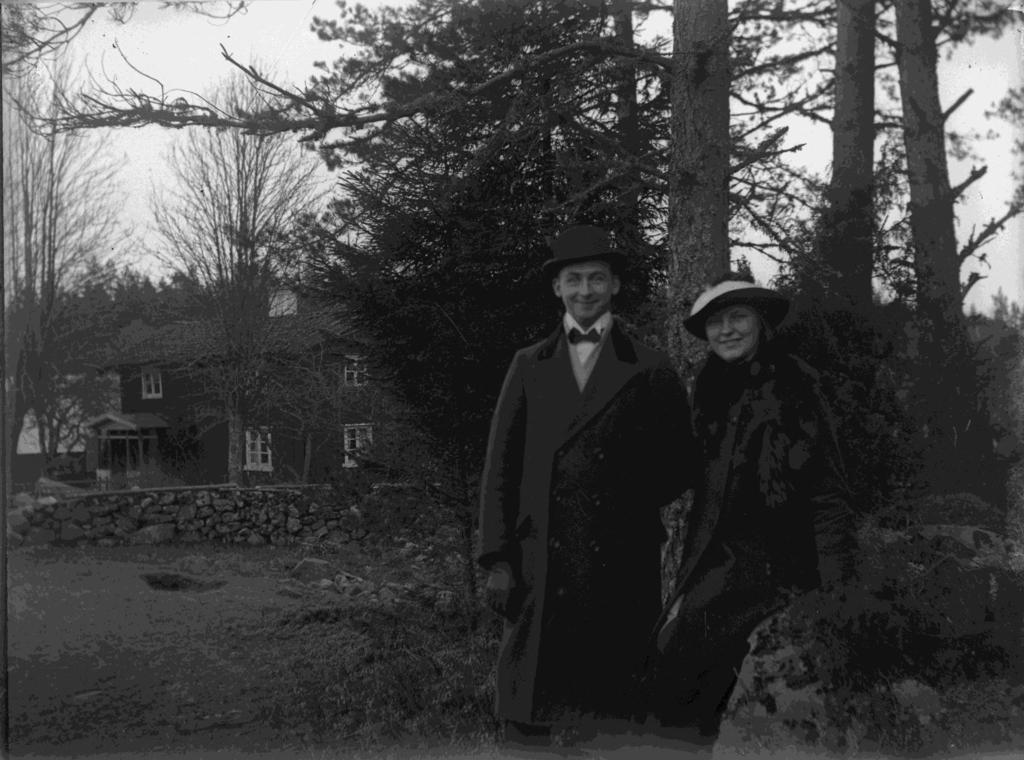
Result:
582,242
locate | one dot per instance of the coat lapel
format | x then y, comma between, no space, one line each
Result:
557,395
616,364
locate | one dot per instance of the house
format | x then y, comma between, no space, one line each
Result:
307,408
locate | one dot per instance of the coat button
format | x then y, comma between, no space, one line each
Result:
600,456
553,543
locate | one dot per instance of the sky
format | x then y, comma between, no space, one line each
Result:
182,50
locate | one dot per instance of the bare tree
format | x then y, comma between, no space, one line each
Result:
59,218
224,223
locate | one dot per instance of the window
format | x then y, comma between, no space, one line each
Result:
152,384
257,451
355,370
357,437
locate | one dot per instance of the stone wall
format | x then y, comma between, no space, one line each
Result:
224,513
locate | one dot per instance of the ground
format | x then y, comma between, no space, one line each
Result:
197,652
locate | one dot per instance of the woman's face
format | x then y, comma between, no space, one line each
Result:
734,333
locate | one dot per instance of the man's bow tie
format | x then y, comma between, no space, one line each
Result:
575,336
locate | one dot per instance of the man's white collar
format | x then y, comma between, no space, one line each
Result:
603,323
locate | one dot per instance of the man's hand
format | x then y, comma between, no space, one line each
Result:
498,589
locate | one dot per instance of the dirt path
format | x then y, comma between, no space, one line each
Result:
101,661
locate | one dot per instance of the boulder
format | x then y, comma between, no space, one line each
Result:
37,536
152,534
957,509
70,532
17,521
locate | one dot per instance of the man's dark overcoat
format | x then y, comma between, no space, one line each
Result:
570,498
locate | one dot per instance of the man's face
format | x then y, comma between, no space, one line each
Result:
586,289
733,332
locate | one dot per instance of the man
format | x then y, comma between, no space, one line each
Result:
590,437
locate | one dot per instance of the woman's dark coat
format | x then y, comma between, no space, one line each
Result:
772,516
570,499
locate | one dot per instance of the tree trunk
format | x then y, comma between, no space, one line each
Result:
847,237
236,447
955,431
307,457
626,116
698,204
931,203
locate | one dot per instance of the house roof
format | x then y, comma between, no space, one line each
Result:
122,421
188,341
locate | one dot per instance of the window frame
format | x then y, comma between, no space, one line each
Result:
258,442
152,383
359,442
355,366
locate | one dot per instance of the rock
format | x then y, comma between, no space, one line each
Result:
186,512
63,512
102,508
17,521
125,524
774,688
152,534
444,602
46,501
387,597
37,536
310,569
957,509
408,550
347,579
922,700
294,525
22,499
982,548
70,533
255,539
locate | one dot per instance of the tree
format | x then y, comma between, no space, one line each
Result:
699,162
436,240
225,226
931,198
60,219
848,227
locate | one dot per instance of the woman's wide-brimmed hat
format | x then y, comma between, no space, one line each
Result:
582,242
771,305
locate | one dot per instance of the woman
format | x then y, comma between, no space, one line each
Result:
771,518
